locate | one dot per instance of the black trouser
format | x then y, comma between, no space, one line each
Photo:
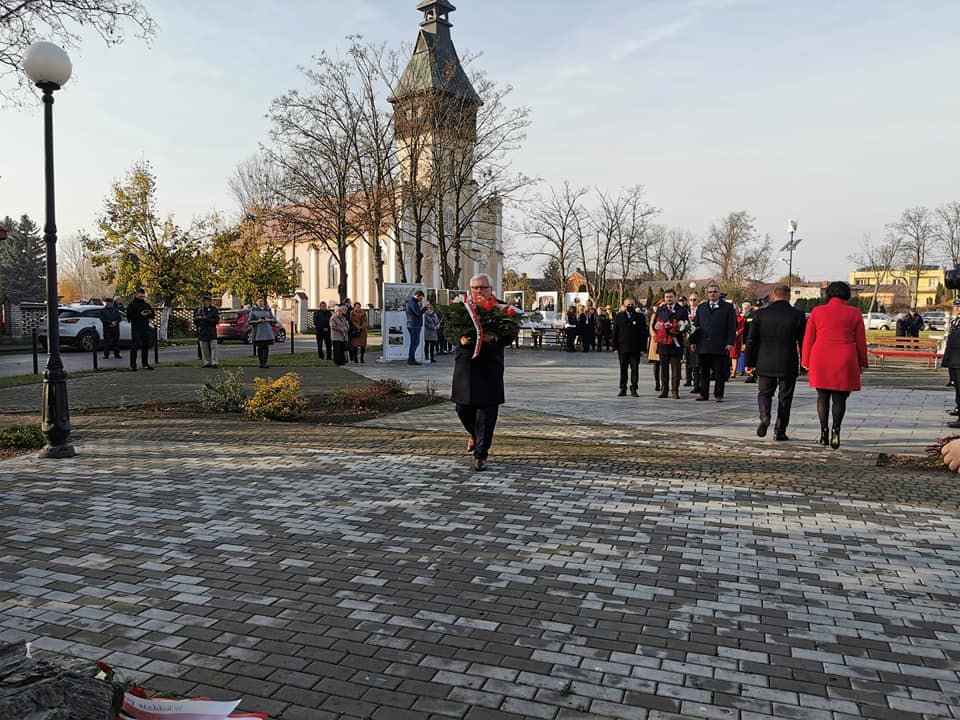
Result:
571,336
479,421
669,364
111,341
955,379
537,338
263,351
140,340
783,386
586,341
688,367
431,350
719,366
631,361
339,352
323,341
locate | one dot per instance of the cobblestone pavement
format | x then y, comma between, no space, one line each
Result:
594,572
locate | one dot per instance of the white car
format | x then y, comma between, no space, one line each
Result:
80,327
935,319
878,321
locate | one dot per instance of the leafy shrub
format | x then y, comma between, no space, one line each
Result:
276,399
366,397
224,396
23,437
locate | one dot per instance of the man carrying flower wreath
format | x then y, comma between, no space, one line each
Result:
484,327
669,325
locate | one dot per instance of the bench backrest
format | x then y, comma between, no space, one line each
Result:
908,343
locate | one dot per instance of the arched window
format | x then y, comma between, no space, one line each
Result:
333,273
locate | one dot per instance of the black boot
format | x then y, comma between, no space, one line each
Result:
835,438
824,438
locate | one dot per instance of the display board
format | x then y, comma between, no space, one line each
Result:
517,298
396,336
575,298
546,303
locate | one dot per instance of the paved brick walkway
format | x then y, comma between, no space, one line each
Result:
598,570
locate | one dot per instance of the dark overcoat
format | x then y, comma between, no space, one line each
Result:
205,319
717,328
776,338
951,353
479,382
665,314
630,332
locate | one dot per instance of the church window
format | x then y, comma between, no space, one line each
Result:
333,273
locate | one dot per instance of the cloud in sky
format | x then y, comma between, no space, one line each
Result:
839,114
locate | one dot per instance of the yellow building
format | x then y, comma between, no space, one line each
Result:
931,278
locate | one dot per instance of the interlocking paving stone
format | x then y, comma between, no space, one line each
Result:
367,572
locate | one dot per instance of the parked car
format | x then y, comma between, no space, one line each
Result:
935,319
79,326
878,321
234,325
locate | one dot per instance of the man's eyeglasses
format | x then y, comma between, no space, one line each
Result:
479,287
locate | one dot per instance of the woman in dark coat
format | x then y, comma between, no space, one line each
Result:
478,382
835,353
570,329
951,358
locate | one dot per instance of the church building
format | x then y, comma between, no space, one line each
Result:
433,103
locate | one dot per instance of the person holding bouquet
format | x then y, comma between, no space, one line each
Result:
478,365
669,325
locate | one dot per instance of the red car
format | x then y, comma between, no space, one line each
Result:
233,325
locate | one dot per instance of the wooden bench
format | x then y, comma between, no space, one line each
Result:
906,347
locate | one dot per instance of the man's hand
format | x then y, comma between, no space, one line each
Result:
464,340
951,454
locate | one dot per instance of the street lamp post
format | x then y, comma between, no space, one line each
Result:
48,67
791,246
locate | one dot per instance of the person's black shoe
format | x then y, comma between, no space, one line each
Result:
762,427
824,437
954,424
207,365
835,438
413,362
955,411
694,391
634,393
133,369
622,393
148,367
107,356
781,437
479,464
688,383
663,394
116,356
750,380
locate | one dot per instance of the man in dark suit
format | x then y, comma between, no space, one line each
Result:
478,382
321,326
716,333
629,342
670,324
776,338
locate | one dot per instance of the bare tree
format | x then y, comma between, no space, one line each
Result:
676,253
23,22
878,259
315,138
623,222
735,249
254,184
557,224
947,231
914,232
76,267
471,170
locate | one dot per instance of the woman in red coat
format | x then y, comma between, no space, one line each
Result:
835,353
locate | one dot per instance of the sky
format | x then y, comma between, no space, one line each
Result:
838,113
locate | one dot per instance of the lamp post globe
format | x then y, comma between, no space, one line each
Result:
44,62
49,68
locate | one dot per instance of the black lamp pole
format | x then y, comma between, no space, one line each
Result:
56,413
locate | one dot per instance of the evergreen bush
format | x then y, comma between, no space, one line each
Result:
277,399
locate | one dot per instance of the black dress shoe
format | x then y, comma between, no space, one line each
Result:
413,362
663,394
955,411
479,464
762,427
780,437
634,393
688,383
750,380
824,437
835,438
954,424
622,393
